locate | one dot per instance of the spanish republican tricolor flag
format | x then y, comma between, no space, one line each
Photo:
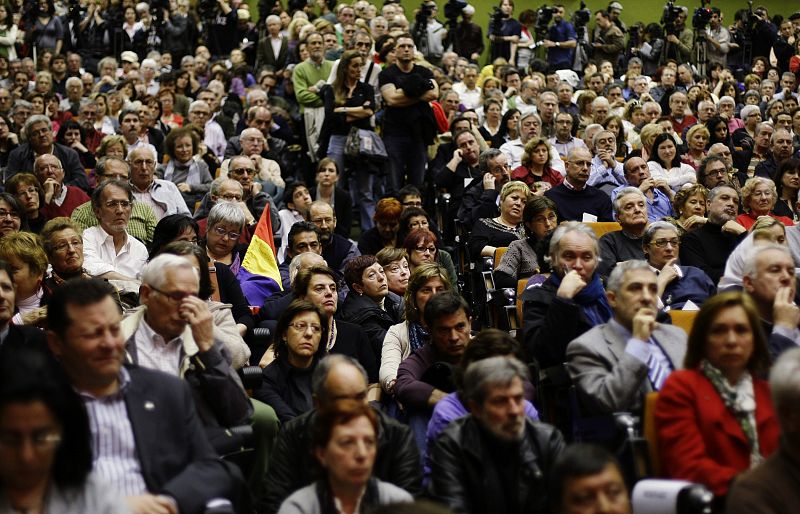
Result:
259,275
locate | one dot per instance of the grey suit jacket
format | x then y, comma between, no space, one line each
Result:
608,379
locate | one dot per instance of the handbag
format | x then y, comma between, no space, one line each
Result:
365,144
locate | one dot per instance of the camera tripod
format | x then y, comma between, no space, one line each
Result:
700,48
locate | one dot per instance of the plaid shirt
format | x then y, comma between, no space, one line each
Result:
141,224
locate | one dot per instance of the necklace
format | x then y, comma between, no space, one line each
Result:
331,337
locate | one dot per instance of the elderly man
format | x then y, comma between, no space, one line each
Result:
614,365
173,331
769,278
677,112
657,192
169,471
630,210
213,136
275,134
253,142
709,246
468,89
714,170
480,198
162,196
495,459
273,48
570,301
529,127
754,150
773,487
781,149
606,173
39,133
337,250
338,377
226,190
59,199
109,251
577,200
142,222
74,94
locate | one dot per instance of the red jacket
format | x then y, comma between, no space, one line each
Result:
747,220
698,437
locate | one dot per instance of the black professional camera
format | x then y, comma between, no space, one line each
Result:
581,17
496,18
702,17
207,9
453,8
669,17
543,17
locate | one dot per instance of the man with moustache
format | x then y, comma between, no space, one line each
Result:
336,249
495,459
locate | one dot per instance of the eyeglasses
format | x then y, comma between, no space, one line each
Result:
425,249
175,297
62,247
143,162
11,214
221,232
242,171
39,440
662,243
413,204
232,197
302,326
113,204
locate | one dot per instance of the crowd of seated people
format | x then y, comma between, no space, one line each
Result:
339,256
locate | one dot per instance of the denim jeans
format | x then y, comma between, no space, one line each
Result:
359,180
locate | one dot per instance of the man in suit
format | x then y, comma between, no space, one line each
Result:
149,444
273,49
615,364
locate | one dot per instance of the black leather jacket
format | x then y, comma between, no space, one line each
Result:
464,475
291,464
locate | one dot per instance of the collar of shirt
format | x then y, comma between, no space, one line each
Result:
153,185
106,236
63,196
124,380
570,186
154,336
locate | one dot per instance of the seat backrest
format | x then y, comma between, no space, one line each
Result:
604,227
498,254
650,434
683,319
521,283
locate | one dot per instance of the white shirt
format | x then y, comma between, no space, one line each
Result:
513,151
100,256
215,138
470,98
155,353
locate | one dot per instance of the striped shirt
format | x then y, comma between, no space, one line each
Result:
113,444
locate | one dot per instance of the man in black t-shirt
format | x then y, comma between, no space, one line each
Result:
409,125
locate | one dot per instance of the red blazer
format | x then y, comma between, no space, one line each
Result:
699,439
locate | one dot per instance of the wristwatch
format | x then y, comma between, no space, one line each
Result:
558,43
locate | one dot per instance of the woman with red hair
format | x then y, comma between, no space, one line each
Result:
384,233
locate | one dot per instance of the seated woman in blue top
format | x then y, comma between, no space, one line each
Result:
286,385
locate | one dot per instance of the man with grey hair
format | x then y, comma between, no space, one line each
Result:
109,251
480,199
577,200
529,126
607,174
630,211
657,192
200,114
495,459
273,48
614,365
769,278
74,87
39,133
708,246
780,149
338,377
161,195
142,221
773,487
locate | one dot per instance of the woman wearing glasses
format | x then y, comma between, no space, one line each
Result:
422,248
45,441
286,385
27,189
759,197
190,175
225,224
61,239
677,285
12,215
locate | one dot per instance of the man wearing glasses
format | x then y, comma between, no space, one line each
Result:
162,196
109,252
173,331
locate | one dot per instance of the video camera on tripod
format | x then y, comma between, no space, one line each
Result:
701,18
669,17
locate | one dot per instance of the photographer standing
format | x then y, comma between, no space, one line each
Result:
561,41
718,39
468,36
680,39
504,33
608,46
764,32
430,38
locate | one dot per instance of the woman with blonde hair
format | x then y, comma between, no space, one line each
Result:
759,196
696,139
689,205
24,253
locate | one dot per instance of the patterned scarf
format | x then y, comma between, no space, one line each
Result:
417,336
742,406
193,178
